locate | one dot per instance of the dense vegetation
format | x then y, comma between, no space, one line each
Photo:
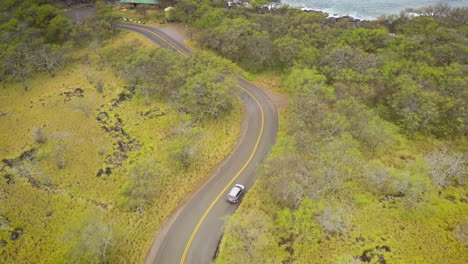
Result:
410,68
101,134
36,35
370,164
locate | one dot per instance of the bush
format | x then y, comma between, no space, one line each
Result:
331,220
143,184
99,86
381,180
447,167
461,233
60,156
182,149
39,135
92,239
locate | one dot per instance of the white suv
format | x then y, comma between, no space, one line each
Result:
235,194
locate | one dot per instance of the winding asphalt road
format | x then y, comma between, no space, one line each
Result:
193,232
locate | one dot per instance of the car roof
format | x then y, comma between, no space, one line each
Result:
235,191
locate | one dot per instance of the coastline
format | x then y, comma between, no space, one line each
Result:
367,10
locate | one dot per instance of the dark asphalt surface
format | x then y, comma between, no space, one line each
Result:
172,240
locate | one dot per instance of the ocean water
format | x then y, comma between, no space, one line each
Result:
367,9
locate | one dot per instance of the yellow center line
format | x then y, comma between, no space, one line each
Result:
257,143
151,32
187,247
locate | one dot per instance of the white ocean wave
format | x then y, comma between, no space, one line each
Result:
366,9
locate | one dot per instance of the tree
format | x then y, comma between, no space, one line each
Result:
106,24
58,30
362,86
331,220
230,38
157,73
207,94
186,11
18,64
382,180
414,108
288,50
447,167
48,58
340,58
366,126
260,51
42,14
257,4
144,182
252,235
200,61
211,18
309,80
91,238
335,162
369,40
307,57
308,112
289,177
299,231
183,147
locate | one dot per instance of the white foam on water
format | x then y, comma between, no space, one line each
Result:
366,9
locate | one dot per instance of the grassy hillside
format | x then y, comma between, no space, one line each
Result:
70,147
371,162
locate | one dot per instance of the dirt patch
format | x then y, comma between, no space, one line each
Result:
280,101
177,32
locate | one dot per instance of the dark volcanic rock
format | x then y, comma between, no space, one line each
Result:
78,92
9,178
16,234
28,155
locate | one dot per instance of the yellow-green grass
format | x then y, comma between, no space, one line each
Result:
47,213
420,235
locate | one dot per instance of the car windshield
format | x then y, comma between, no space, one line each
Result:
234,192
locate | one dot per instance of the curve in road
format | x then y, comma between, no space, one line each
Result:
192,234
